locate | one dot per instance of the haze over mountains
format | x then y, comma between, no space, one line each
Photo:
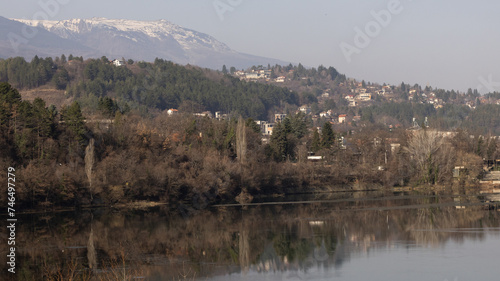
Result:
117,38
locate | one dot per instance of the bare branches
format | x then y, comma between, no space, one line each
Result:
241,141
430,154
89,164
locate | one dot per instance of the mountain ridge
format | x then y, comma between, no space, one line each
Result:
138,40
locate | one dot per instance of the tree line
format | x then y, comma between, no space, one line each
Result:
62,159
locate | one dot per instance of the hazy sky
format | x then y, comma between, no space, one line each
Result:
452,44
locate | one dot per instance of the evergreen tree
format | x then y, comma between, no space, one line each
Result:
328,136
492,149
43,124
298,125
333,73
9,100
61,79
74,121
279,142
316,141
479,148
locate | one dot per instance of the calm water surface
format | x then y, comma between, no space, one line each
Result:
346,236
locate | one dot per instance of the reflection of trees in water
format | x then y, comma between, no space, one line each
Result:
265,238
244,247
91,253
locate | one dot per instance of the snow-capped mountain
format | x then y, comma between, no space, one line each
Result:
16,39
146,40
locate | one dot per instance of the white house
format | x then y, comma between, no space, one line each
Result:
365,96
204,114
252,75
117,62
172,111
280,79
305,109
268,129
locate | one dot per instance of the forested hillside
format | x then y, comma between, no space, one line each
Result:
160,85
102,88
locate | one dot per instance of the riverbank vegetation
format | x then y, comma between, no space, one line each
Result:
63,159
113,140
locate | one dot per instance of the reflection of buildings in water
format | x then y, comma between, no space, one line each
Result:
363,242
270,261
493,197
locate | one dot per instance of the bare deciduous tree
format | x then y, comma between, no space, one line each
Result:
89,164
429,155
241,141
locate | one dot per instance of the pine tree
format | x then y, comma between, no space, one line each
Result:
73,119
279,142
316,141
328,136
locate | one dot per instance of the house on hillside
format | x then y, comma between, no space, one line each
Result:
172,111
365,97
268,129
279,117
252,76
204,114
220,116
305,109
118,62
342,118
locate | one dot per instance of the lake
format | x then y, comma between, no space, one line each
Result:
334,236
